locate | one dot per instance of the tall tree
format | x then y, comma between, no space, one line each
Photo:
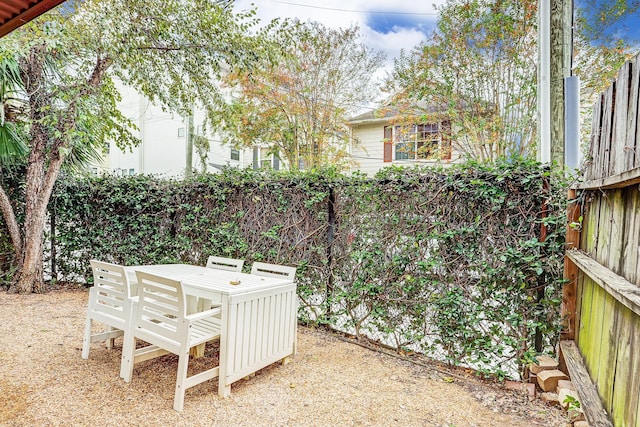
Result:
479,70
298,106
65,98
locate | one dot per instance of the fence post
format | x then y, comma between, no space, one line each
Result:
54,274
330,239
569,290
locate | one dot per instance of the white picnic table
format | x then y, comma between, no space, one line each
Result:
259,315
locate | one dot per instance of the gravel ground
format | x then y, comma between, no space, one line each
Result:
330,382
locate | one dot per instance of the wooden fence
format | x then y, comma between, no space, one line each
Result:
601,302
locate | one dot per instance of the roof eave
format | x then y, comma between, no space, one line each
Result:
29,14
370,121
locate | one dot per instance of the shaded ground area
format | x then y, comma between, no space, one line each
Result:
331,382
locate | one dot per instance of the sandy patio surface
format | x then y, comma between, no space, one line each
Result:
330,382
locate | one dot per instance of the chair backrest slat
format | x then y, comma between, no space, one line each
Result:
111,285
273,270
161,306
221,263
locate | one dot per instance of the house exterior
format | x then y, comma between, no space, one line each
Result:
381,138
165,149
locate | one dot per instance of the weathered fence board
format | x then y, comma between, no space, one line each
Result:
621,289
629,251
594,145
600,253
619,131
584,336
632,117
626,380
607,306
607,359
580,376
605,134
608,333
595,332
633,254
617,231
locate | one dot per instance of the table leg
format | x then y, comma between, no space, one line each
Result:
193,306
224,389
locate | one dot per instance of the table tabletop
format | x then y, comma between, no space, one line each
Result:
199,278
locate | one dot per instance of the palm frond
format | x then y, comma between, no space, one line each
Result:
13,148
9,74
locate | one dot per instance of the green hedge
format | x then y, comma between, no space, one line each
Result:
446,262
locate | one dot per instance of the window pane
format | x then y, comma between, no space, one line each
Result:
235,154
426,131
427,149
427,140
403,151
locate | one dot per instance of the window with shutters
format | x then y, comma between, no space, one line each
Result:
264,158
425,141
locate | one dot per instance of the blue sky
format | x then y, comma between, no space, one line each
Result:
628,28
390,22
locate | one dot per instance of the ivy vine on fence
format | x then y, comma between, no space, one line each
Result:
463,264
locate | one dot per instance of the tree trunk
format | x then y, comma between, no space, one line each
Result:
38,192
30,276
12,225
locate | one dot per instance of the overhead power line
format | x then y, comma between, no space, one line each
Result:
357,11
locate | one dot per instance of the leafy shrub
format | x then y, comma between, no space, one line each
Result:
449,262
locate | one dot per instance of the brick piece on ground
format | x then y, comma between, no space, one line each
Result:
565,384
545,363
528,388
581,424
548,380
549,397
575,415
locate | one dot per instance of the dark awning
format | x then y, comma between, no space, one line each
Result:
14,13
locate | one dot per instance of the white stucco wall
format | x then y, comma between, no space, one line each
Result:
163,150
367,148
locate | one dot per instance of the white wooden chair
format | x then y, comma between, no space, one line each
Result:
161,320
273,270
110,303
221,263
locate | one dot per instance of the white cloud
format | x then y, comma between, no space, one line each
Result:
415,18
